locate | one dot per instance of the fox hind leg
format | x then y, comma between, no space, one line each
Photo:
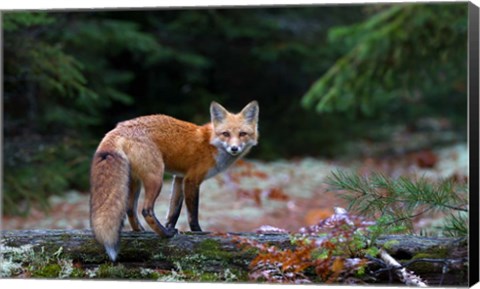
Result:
153,186
134,192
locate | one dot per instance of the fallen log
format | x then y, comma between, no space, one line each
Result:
437,260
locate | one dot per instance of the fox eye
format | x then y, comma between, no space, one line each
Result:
242,133
226,134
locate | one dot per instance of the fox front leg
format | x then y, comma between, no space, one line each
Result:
191,190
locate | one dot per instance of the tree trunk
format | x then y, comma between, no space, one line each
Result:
214,253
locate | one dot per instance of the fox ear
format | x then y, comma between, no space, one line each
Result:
217,112
250,111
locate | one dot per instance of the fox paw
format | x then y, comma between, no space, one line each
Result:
196,228
139,229
170,232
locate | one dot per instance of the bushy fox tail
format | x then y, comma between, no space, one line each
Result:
109,185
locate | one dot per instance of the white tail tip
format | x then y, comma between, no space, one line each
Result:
112,252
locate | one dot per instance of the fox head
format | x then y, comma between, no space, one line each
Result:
234,133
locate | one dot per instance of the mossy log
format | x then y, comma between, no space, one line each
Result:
213,253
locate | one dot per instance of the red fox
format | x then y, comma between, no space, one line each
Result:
138,152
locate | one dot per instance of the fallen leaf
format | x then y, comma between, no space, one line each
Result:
314,216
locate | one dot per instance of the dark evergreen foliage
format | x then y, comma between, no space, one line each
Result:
69,77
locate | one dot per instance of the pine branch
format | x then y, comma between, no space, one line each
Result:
402,198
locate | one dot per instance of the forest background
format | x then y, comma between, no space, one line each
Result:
333,82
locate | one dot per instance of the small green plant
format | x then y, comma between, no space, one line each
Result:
403,199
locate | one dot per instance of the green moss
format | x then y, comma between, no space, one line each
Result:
249,252
209,277
48,271
171,253
90,252
208,262
225,276
427,267
434,253
241,275
389,244
77,273
110,271
212,249
209,245
424,267
119,271
442,252
423,256
159,257
66,237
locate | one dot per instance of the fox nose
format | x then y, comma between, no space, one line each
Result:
234,149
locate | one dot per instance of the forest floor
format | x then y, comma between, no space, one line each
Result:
287,194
